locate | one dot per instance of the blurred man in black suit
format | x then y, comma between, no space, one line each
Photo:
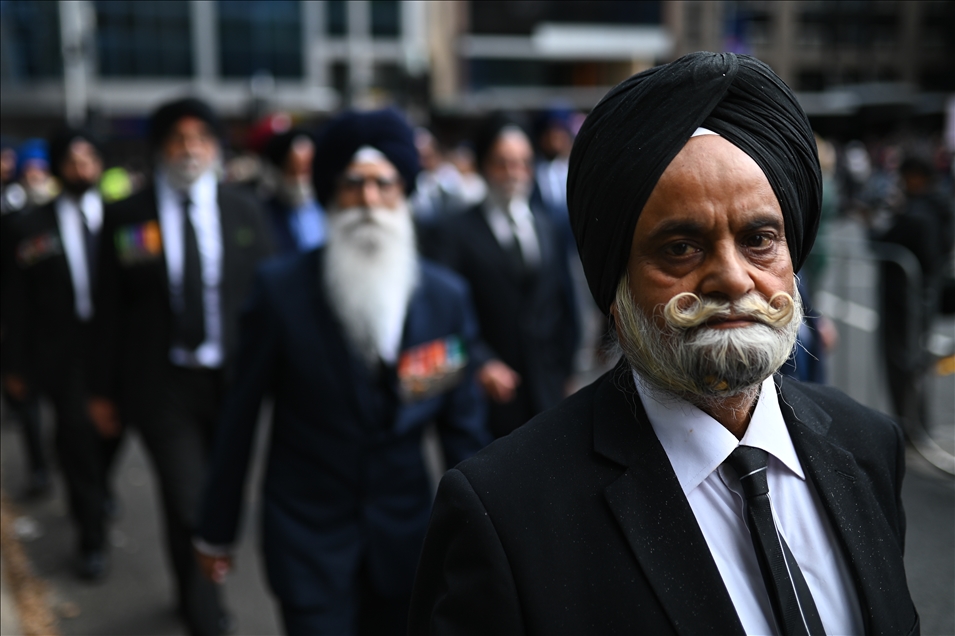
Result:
176,267
50,274
514,260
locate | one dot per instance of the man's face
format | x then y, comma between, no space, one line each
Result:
8,164
82,167
189,149
712,227
298,162
370,183
508,167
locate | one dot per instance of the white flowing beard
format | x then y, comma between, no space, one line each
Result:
371,270
700,363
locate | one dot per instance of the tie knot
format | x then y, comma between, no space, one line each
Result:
750,465
186,202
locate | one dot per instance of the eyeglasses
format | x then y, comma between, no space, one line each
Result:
388,187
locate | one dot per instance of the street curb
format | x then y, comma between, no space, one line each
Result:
25,597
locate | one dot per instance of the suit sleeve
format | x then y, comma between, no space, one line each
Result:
899,476
103,352
462,423
258,351
15,308
464,583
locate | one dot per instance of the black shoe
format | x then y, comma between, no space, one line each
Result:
91,565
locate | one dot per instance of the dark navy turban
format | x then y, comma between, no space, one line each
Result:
384,130
631,136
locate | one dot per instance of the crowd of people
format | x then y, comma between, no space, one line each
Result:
173,309
374,286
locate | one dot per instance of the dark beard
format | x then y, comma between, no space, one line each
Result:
76,188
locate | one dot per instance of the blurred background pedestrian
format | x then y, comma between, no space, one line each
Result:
175,268
49,289
515,261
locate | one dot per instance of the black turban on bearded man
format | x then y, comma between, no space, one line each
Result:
636,130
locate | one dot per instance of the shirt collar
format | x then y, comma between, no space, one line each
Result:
89,205
697,444
202,192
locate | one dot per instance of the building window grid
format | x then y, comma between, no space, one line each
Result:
260,35
143,38
30,40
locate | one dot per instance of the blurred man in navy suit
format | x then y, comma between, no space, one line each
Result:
363,345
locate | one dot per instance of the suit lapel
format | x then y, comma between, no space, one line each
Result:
484,241
655,517
866,539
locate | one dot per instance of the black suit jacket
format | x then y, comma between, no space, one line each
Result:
42,333
529,324
576,523
132,326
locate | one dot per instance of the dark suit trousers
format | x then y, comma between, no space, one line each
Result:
364,613
85,457
27,414
178,437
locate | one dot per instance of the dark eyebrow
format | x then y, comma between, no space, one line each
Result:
772,222
676,227
689,227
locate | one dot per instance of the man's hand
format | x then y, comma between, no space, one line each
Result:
214,568
16,386
499,381
105,416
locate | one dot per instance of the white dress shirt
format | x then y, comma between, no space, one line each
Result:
70,215
515,223
697,445
204,214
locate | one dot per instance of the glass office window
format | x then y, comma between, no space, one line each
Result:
260,35
385,18
30,39
337,17
149,38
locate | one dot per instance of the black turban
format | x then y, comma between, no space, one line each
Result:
165,117
59,146
631,136
278,147
384,130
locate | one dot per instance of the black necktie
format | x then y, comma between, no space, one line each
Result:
793,606
190,321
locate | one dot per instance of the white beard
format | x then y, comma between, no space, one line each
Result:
182,173
371,270
702,364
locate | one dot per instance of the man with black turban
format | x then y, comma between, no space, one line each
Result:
49,276
175,266
690,490
363,346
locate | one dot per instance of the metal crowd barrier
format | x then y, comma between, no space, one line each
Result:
841,299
